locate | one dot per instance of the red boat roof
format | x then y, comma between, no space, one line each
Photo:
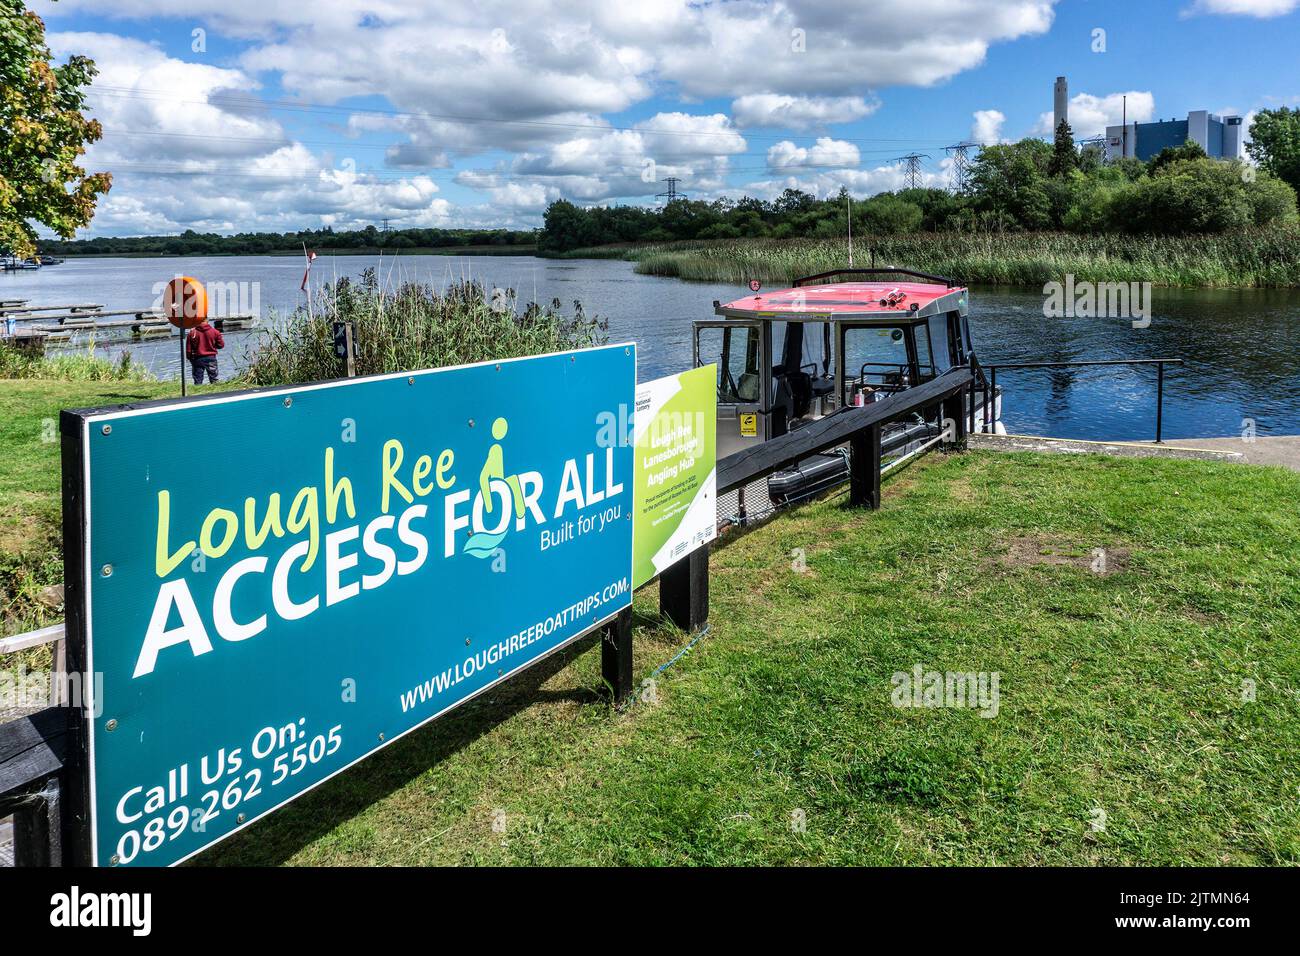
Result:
841,298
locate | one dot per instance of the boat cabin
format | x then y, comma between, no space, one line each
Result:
831,341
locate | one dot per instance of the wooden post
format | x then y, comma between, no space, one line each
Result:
351,356
864,468
38,828
75,798
616,657
684,590
953,410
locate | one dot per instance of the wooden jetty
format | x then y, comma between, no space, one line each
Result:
31,327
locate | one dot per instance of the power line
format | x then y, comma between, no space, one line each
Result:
257,104
292,174
352,145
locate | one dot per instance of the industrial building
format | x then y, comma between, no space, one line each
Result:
1222,137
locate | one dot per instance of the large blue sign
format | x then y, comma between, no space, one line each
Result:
279,583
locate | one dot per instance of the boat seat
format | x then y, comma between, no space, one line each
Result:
801,393
748,388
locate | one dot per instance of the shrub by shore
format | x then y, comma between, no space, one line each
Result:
413,327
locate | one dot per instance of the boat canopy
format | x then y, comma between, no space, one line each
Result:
848,301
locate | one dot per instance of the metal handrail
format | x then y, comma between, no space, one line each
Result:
991,391
20,642
845,424
804,280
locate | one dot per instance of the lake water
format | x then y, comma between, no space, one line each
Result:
1243,364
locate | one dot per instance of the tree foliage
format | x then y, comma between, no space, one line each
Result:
1275,144
191,243
1026,186
42,135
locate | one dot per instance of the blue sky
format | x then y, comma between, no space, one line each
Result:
234,115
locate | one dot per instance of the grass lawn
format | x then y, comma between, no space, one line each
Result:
31,557
1122,734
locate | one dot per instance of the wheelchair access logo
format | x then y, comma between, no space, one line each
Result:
507,500
483,544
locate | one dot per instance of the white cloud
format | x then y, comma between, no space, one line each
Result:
1090,115
146,124
527,84
825,152
599,164
809,47
1263,9
779,111
202,164
987,127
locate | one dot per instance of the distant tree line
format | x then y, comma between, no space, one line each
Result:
1029,185
191,243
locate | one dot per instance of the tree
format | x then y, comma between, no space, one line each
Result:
1009,184
888,214
1275,144
1172,154
563,224
42,134
1064,159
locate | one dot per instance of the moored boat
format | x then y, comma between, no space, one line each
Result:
847,338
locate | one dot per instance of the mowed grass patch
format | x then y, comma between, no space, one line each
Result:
31,549
1125,732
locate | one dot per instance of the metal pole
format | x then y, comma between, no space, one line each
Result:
1160,399
971,430
183,334
992,399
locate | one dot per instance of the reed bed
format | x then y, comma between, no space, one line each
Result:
415,326
1267,258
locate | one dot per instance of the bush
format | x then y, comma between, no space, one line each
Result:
18,363
1186,196
414,327
1271,200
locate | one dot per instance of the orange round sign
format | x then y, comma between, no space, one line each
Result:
185,303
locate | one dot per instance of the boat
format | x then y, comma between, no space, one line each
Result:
847,337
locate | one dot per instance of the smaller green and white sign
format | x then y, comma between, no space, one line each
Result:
676,469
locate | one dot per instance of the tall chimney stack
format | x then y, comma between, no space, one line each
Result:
1061,104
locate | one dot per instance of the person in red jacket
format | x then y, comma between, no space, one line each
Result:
201,347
